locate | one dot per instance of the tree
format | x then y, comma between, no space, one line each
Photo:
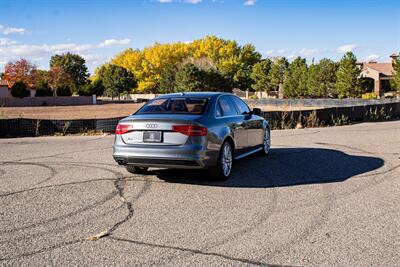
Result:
189,78
347,77
72,64
395,80
276,75
41,83
167,80
19,90
20,71
260,75
322,78
1,75
116,80
59,81
296,79
94,87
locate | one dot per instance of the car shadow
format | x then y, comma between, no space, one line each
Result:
283,167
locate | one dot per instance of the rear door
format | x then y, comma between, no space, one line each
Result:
231,116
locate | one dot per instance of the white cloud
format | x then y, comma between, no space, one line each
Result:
281,51
113,42
346,48
269,52
11,30
180,1
6,41
372,57
12,50
310,52
249,2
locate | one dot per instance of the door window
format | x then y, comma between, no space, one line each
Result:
227,107
243,108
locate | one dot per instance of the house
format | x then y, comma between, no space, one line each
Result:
377,75
5,89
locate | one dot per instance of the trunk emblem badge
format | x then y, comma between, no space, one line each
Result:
151,125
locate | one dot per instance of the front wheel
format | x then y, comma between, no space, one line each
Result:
136,170
224,166
266,146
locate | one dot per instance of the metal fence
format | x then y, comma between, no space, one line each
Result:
277,119
322,102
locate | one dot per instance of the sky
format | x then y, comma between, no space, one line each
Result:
98,30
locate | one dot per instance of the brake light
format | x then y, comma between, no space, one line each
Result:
190,130
123,128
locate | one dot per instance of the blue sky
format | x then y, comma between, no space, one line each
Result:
97,30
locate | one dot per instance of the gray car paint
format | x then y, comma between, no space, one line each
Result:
246,131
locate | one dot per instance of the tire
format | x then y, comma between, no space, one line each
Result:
266,146
136,170
223,170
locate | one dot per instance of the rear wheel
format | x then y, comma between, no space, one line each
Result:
224,166
136,170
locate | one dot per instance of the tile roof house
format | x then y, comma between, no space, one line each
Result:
378,74
5,89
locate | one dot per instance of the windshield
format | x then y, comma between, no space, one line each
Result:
175,105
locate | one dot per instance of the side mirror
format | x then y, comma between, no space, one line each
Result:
257,111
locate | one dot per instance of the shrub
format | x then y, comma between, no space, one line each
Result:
64,91
369,96
253,97
19,90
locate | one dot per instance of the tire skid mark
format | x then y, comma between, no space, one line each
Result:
60,154
53,172
195,251
263,217
64,227
319,220
119,184
107,198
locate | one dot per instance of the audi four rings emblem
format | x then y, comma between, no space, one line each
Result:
151,125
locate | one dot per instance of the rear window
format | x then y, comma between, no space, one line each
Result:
175,105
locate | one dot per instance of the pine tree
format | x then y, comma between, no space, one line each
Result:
259,75
395,80
322,78
296,79
347,77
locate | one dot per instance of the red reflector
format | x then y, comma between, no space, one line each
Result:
123,128
190,130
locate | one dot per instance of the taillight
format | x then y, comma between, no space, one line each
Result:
123,128
190,130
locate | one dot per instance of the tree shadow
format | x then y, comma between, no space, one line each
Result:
283,167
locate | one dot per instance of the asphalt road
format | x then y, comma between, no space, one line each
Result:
325,196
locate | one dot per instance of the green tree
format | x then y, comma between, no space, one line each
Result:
59,81
72,64
116,80
19,90
296,79
395,80
347,77
322,78
189,78
41,83
94,87
167,80
260,75
276,75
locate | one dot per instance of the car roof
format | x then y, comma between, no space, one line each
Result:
195,94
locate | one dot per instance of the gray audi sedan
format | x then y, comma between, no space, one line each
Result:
205,130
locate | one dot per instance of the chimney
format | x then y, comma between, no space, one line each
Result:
394,57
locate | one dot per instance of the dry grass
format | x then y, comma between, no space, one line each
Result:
96,111
70,112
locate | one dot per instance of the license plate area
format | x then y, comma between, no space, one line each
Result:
152,136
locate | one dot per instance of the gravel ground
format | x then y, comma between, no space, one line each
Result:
325,196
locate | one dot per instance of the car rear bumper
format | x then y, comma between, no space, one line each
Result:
181,157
